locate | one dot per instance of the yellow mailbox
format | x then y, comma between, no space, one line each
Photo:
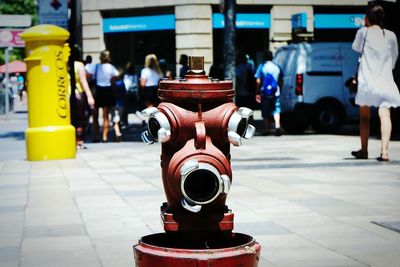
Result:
50,134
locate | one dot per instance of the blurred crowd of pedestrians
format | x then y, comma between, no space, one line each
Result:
116,92
119,92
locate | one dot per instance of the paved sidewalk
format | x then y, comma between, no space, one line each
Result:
302,197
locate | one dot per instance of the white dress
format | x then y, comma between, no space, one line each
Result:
376,86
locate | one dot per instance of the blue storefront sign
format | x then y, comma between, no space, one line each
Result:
338,21
299,21
244,21
136,24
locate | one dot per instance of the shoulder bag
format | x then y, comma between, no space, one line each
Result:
352,82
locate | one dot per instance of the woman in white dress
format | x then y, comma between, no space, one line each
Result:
376,86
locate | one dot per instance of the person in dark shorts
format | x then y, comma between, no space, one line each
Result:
104,75
245,83
268,77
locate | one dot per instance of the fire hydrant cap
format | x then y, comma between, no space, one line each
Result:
45,32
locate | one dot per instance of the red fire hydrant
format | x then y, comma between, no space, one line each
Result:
196,123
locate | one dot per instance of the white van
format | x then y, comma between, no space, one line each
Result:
313,90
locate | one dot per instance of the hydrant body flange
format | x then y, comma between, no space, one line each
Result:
195,123
50,134
240,251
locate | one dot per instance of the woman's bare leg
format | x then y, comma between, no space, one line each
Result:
386,130
365,115
106,123
95,124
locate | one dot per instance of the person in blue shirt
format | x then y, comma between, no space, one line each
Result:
268,78
20,85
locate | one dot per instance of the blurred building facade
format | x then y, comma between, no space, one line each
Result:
132,29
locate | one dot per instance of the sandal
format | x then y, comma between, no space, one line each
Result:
81,147
359,154
380,158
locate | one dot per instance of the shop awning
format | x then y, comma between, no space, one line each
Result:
13,67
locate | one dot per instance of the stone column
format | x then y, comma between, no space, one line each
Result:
193,32
92,32
281,25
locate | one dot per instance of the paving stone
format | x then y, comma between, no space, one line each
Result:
115,253
12,263
261,228
11,209
54,230
139,193
285,241
15,218
391,225
13,188
19,167
111,230
311,257
365,223
76,258
116,214
47,181
83,191
20,179
100,201
43,216
10,240
64,243
80,173
381,259
320,202
50,196
9,254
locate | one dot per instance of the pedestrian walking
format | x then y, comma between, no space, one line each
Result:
376,86
217,70
104,75
93,112
83,97
245,83
269,78
184,61
131,103
21,86
118,109
149,78
166,73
